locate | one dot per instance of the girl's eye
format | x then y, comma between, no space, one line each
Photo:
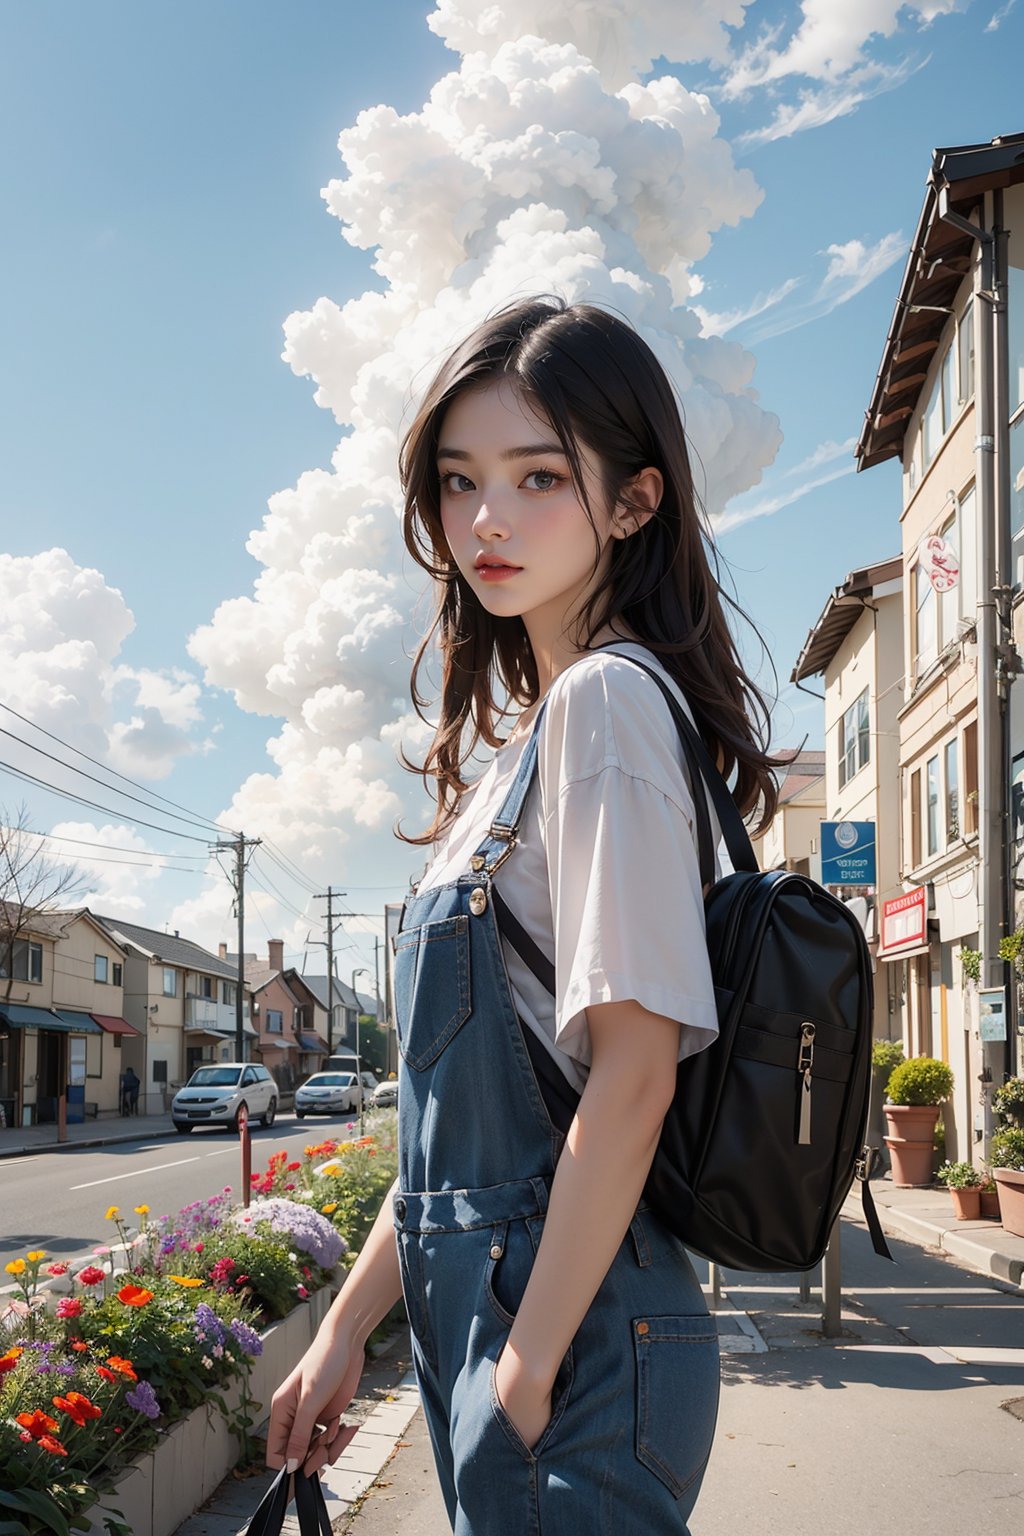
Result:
545,480
453,481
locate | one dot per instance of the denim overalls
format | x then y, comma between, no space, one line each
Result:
636,1397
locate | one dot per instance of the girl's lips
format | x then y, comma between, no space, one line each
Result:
497,572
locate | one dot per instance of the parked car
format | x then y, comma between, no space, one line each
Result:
385,1095
214,1094
348,1061
327,1093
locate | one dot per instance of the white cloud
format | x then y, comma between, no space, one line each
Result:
825,453
718,324
62,629
852,266
997,18
816,106
745,510
116,874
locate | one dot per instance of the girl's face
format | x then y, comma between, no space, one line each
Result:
515,526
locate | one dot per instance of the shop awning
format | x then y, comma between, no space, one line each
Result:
906,953
21,1016
215,1032
279,1045
312,1043
114,1026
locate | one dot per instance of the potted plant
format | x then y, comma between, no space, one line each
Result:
964,1184
916,1088
1007,1162
1008,1102
885,1055
989,1198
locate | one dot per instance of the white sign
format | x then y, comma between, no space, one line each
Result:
940,562
992,1013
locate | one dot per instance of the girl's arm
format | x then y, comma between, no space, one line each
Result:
323,1383
597,1186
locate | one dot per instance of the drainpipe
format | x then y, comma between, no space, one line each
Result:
993,586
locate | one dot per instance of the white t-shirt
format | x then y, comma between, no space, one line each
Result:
605,875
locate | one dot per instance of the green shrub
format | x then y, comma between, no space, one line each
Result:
1008,1149
960,1176
922,1080
886,1054
1008,1102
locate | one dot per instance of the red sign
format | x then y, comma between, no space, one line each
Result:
903,922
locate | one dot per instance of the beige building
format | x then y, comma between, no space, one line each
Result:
62,1024
791,841
949,402
856,648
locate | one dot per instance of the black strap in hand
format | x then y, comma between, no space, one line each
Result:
310,1507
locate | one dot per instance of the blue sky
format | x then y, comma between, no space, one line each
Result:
161,179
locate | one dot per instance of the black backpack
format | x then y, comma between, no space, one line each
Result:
765,1134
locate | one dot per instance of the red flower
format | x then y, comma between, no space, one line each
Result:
78,1407
9,1360
79,1345
101,1370
48,1443
122,1367
134,1295
69,1306
293,1167
37,1423
90,1275
199,1247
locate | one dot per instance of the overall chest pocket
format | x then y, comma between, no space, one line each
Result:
433,994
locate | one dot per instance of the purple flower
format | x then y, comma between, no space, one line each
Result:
143,1399
208,1325
64,1370
45,1369
247,1337
304,1227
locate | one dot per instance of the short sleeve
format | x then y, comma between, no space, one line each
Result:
626,899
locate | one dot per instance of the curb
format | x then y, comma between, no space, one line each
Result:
92,1141
958,1245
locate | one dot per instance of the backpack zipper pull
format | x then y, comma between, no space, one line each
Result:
803,1065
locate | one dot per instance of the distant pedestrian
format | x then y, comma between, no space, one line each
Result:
567,1365
130,1086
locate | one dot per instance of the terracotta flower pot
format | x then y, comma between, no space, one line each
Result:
1010,1186
966,1203
912,1132
990,1204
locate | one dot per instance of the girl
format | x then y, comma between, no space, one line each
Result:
566,1361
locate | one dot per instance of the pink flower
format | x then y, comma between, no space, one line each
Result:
57,1269
199,1247
90,1275
68,1307
302,1291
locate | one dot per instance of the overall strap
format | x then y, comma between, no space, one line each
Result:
504,830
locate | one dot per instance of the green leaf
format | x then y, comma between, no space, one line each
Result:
13,1528
31,1502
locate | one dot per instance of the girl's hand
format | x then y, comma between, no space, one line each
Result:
316,1393
525,1402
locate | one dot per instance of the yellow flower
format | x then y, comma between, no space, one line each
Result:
189,1280
37,1256
331,1168
16,1267
112,1213
142,1210
332,1205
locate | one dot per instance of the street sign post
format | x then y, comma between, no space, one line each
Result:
244,1138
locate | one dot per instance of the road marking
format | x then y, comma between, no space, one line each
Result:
224,1152
136,1173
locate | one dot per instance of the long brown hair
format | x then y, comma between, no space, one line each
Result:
601,387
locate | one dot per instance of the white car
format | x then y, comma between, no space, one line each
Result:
385,1095
327,1093
214,1094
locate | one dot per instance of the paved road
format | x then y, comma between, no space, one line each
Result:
58,1200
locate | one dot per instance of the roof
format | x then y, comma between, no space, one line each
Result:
169,948
342,994
841,613
804,770
940,258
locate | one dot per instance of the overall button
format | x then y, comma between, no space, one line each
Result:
400,1208
496,1251
478,901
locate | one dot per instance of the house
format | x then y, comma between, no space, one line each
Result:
948,404
791,840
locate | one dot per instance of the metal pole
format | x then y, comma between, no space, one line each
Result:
330,970
240,890
361,971
832,1287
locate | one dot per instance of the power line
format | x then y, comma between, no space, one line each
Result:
97,764
276,893
288,866
67,794
86,842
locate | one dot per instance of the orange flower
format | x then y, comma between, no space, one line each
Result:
37,1423
101,1370
48,1443
78,1407
79,1345
134,1295
185,1280
9,1360
122,1367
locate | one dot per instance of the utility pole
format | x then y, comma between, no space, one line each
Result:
329,898
238,846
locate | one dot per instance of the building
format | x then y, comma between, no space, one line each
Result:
948,402
856,648
791,841
181,1000
62,1024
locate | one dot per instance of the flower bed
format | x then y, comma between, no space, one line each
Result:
98,1361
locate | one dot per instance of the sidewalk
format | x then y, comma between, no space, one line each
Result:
925,1216
22,1141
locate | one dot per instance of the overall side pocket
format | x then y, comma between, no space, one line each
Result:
677,1385
433,996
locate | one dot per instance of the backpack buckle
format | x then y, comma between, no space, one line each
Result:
865,1163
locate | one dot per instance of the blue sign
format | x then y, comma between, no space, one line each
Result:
848,853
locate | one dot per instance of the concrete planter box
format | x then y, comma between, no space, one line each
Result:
168,1484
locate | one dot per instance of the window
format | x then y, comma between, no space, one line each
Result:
915,817
1015,324
228,990
94,1054
170,981
931,421
1017,500
100,966
206,986
854,738
275,1021
949,391
971,779
925,620
952,792
117,974
932,808
25,958
965,342
159,1071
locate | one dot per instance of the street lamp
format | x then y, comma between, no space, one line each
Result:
360,971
